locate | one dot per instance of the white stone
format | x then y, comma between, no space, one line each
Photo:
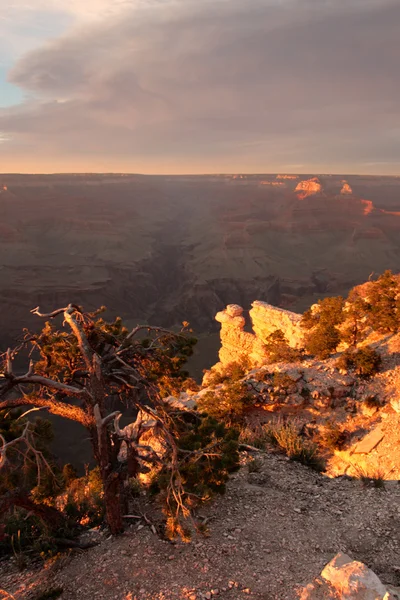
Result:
352,579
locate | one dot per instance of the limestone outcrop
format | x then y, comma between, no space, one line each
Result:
308,187
349,580
267,318
236,343
346,189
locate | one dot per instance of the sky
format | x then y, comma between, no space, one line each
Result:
200,86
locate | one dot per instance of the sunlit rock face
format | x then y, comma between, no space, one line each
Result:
237,344
349,580
308,187
266,319
346,189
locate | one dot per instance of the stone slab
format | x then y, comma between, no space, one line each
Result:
370,441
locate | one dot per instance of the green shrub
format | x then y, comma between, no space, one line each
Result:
322,341
207,454
353,330
228,404
278,348
83,499
324,336
366,361
383,304
231,372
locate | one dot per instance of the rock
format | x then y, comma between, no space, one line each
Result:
349,580
295,400
267,318
237,344
370,441
346,189
353,579
308,187
234,310
395,404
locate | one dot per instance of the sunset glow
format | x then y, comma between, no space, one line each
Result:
178,86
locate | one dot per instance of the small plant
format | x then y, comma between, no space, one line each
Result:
332,437
371,475
231,372
372,402
83,499
19,556
254,465
288,439
257,438
50,594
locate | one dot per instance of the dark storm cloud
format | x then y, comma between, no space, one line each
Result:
306,81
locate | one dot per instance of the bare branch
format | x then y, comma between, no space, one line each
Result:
80,335
59,311
150,328
8,366
55,407
31,410
77,329
50,383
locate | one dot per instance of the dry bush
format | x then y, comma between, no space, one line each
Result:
331,437
371,475
286,436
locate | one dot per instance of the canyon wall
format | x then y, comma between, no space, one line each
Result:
236,343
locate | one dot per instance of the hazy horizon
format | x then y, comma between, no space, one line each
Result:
204,174
177,86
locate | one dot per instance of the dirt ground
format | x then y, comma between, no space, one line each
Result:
269,536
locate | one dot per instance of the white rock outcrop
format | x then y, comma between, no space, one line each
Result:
237,344
267,318
348,579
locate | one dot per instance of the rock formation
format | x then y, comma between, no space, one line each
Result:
237,343
346,189
349,580
308,187
266,319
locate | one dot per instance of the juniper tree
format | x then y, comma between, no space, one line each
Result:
322,324
78,371
278,349
384,304
353,330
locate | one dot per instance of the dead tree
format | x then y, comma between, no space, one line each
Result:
76,373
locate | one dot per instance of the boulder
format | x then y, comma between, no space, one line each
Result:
347,579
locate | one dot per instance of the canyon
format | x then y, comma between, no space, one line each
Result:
161,250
